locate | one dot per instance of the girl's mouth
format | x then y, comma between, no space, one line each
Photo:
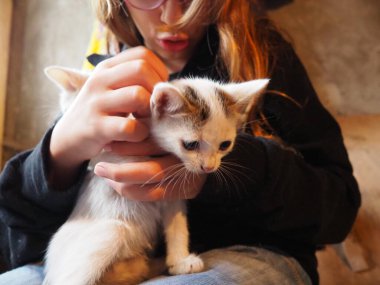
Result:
173,43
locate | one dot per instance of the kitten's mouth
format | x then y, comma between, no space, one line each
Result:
208,169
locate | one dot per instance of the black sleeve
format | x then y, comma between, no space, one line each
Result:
30,211
304,193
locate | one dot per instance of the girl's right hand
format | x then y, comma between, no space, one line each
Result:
98,116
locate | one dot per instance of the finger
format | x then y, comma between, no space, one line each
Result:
146,148
156,192
138,53
137,192
135,72
115,128
152,171
131,99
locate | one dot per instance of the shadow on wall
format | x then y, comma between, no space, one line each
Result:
340,47
44,33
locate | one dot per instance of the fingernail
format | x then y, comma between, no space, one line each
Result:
100,170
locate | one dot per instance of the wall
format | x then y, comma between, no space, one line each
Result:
339,43
44,32
5,32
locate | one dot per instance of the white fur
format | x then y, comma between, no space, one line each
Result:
105,227
217,129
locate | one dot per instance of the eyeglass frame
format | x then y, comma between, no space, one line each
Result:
158,4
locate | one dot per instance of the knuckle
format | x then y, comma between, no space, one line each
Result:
94,107
144,53
93,103
140,66
102,65
94,82
125,127
116,175
93,132
99,130
136,93
136,132
156,193
153,175
139,95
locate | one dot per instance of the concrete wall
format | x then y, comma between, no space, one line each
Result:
44,32
339,43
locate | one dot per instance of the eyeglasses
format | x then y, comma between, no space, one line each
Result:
147,5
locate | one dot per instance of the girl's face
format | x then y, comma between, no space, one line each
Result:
174,47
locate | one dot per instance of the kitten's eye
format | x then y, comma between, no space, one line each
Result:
191,145
224,145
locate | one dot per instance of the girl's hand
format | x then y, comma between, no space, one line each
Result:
118,86
151,180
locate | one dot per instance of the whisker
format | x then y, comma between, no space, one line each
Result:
232,163
238,172
226,178
168,170
220,177
234,179
179,181
171,174
183,183
175,178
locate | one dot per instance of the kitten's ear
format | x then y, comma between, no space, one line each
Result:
166,100
67,79
246,94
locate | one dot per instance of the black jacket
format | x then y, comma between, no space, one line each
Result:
290,201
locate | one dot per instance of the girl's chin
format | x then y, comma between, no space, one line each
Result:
174,60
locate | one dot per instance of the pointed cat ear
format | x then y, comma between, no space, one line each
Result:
167,100
246,94
67,79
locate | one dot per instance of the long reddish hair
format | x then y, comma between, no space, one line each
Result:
242,29
244,32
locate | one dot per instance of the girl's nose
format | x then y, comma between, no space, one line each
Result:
171,11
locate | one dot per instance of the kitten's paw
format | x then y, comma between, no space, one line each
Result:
189,264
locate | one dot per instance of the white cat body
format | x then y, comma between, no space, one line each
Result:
104,227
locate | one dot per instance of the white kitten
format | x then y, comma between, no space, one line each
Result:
195,119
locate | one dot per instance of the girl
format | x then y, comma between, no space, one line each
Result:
288,195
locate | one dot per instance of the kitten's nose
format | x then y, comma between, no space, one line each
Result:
208,169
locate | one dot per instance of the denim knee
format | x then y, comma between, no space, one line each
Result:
242,265
25,275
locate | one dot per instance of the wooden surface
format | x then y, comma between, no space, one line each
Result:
5,28
362,138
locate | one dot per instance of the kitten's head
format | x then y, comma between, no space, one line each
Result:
69,81
198,119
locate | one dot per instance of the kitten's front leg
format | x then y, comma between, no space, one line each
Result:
178,258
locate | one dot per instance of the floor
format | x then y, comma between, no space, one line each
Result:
357,260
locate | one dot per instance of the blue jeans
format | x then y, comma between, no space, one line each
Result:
236,265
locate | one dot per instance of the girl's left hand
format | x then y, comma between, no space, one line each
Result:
150,180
